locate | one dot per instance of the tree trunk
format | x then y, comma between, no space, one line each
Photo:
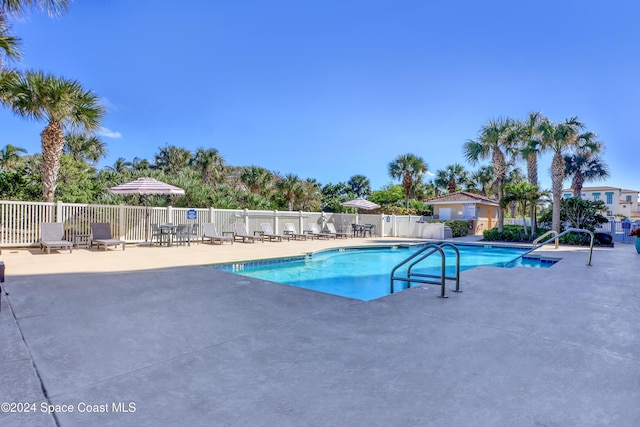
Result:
532,177
407,183
557,176
52,139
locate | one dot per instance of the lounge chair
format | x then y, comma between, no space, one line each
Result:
268,233
290,230
314,230
243,234
331,229
101,236
52,237
209,231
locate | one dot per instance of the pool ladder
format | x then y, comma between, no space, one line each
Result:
536,243
419,256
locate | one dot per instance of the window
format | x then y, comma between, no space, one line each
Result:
628,198
609,198
567,195
596,196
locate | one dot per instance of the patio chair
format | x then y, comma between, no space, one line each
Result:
158,235
331,229
101,236
52,237
183,234
210,232
195,235
242,233
268,233
314,230
290,230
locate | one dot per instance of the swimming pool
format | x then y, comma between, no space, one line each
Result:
363,273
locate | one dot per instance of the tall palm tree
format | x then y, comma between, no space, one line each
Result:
289,185
256,179
495,140
451,177
62,104
139,164
410,169
560,138
522,193
359,185
585,164
10,156
84,148
209,163
530,141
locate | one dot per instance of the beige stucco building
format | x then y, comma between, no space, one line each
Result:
480,211
618,200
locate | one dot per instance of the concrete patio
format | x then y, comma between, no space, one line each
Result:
147,337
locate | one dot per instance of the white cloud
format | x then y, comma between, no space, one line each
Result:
429,173
108,133
110,106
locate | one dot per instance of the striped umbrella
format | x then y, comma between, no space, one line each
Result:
361,203
146,187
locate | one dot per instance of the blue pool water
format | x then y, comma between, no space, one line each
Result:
363,273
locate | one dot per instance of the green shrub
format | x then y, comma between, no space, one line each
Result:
510,233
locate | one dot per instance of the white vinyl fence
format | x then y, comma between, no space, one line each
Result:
20,221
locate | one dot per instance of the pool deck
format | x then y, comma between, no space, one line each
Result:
151,331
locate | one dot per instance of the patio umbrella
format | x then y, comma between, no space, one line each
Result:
145,187
361,203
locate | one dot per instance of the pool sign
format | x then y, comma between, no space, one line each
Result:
192,214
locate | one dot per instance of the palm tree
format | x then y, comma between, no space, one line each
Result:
9,44
171,159
585,164
522,193
559,138
139,164
256,179
289,185
121,165
60,102
496,138
530,139
410,169
451,177
481,180
19,7
84,148
209,163
359,185
10,156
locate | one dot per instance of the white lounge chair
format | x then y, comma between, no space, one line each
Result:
209,231
101,236
331,229
314,230
290,230
268,233
243,234
52,237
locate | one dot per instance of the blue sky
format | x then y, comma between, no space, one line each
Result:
333,88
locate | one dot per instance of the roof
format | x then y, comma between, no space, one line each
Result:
461,197
601,188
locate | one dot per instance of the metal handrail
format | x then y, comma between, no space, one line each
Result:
416,277
567,231
554,232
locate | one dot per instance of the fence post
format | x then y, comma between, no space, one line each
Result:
245,213
121,222
275,221
212,214
300,222
170,214
59,217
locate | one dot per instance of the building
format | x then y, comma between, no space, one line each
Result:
480,211
619,202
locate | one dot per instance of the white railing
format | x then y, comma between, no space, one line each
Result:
20,221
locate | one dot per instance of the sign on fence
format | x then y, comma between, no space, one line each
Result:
192,214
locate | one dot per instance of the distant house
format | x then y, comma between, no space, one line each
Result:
480,211
619,201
